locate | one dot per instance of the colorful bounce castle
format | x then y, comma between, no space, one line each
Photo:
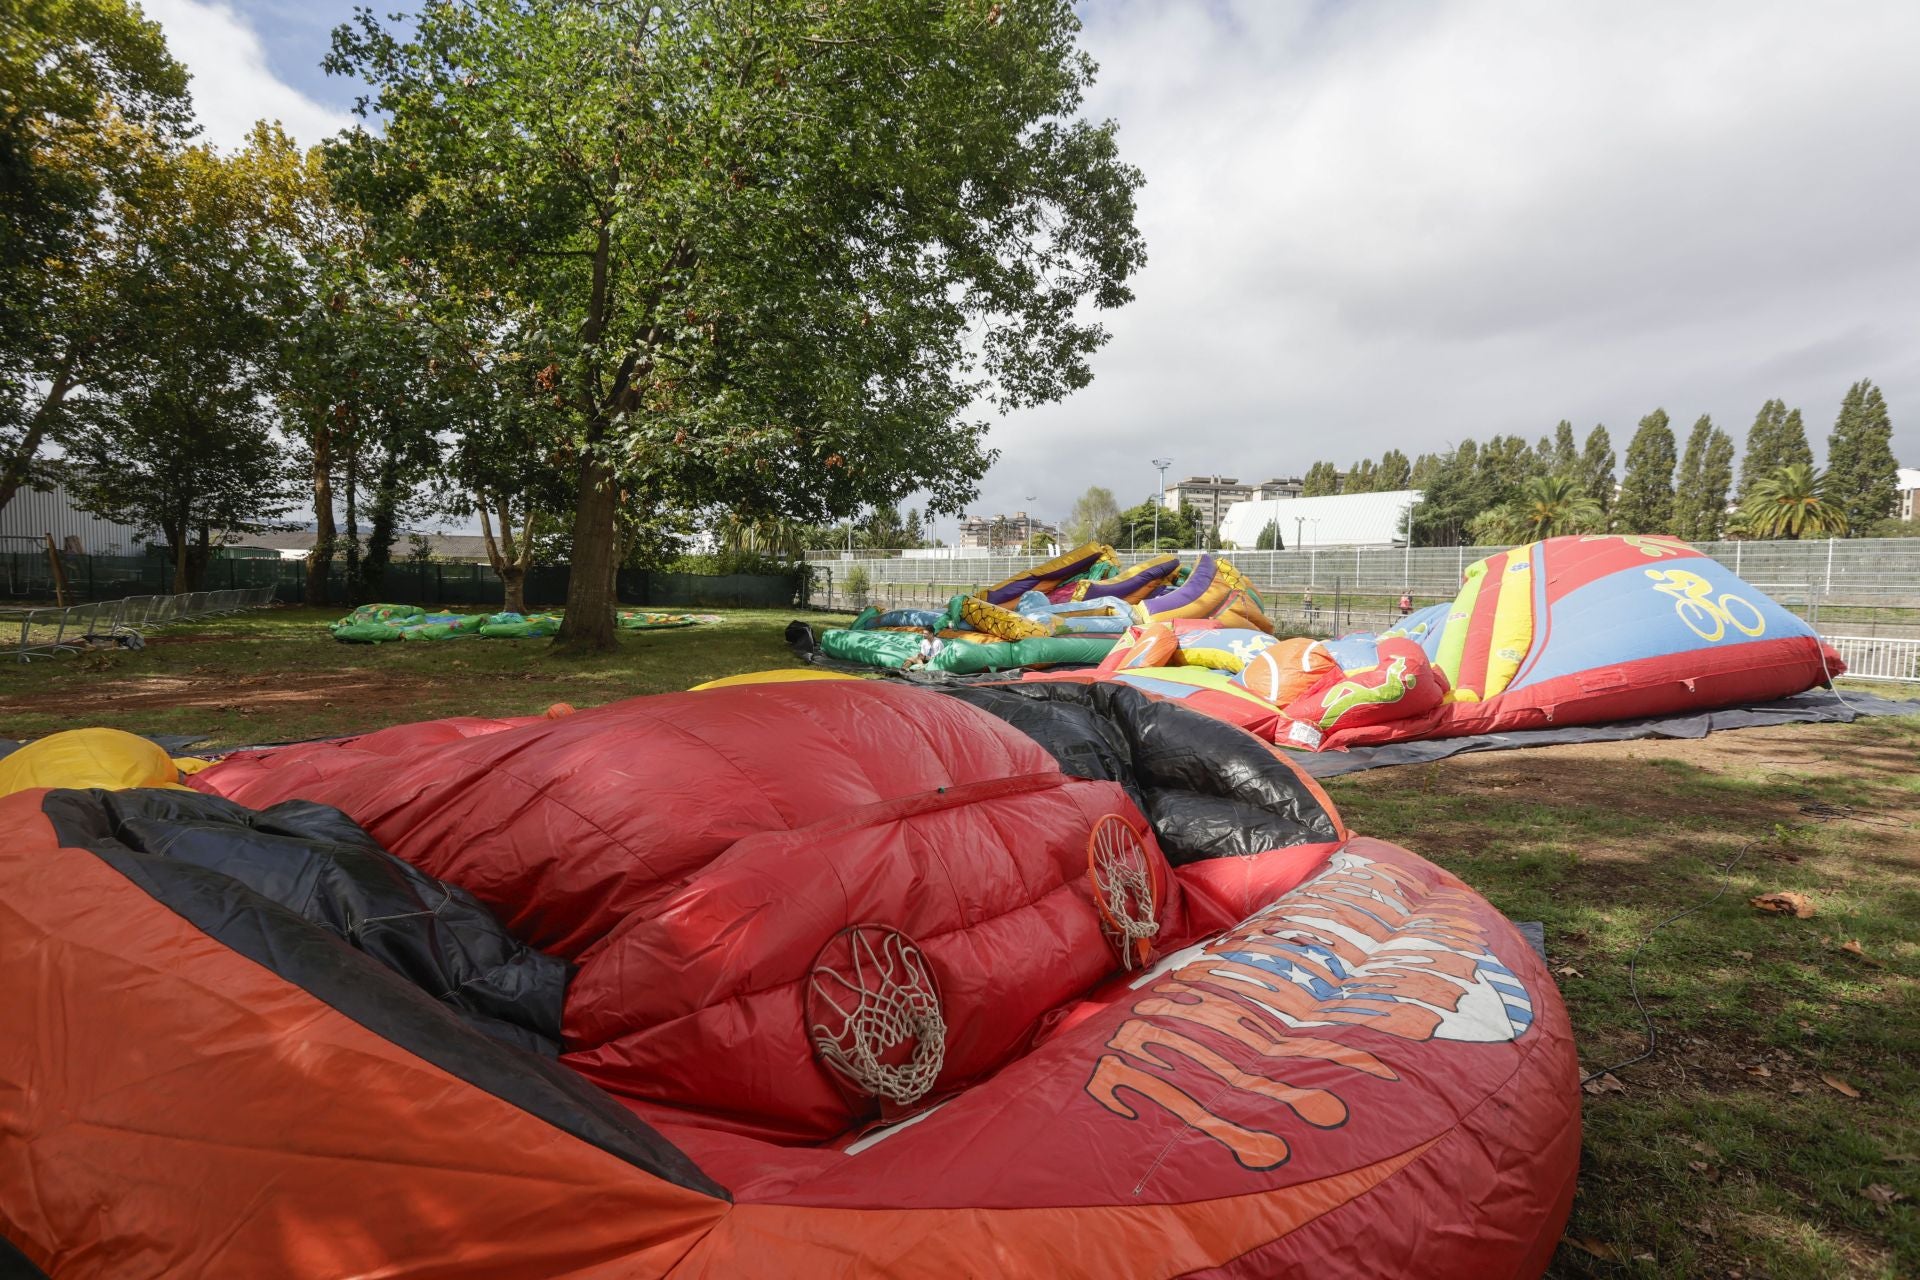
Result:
1071,610
1566,631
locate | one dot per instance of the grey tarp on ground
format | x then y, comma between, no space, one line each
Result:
1816,706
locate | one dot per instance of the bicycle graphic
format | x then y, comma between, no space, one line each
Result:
1694,601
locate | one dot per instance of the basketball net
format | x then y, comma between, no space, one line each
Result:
1123,887
870,995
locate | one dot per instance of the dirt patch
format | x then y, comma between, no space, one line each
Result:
380,695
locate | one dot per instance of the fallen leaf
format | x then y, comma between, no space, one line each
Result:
1881,1193
1587,1244
1853,948
1797,1087
1786,902
1608,1083
1567,971
1704,1227
1903,1157
1841,1086
1760,1069
1741,955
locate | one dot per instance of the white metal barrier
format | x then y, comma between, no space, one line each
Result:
55,629
1879,657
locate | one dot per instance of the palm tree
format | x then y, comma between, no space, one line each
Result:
1550,506
1547,507
1793,502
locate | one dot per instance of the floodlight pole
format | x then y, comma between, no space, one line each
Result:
1161,465
1297,522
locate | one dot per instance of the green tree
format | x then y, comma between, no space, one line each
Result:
1706,476
776,251
1395,472
1794,502
1362,477
1270,538
1646,493
913,533
1322,478
181,447
1095,518
1177,529
1425,468
1458,489
91,107
1562,456
1776,439
1546,507
1861,470
1596,467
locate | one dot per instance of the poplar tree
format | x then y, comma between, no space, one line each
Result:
1646,492
1596,467
1706,474
1862,474
1776,439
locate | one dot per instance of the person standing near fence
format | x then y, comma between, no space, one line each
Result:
1306,604
1406,603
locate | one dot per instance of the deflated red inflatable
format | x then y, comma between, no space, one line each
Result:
817,979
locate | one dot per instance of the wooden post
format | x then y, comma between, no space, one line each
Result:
59,573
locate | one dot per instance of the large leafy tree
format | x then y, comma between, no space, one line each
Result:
1776,439
1796,501
1861,470
1095,517
91,106
1706,476
773,251
1646,491
184,446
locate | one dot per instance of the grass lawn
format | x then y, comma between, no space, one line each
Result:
275,675
1739,1149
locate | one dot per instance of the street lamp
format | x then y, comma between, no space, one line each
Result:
1161,465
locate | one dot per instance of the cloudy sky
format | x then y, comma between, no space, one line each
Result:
1377,225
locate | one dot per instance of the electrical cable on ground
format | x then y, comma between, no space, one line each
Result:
1633,965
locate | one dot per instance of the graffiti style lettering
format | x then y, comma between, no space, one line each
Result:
1363,945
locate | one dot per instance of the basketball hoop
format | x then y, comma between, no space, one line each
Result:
1125,887
873,1013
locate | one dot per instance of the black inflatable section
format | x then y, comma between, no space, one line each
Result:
302,891
317,862
1210,789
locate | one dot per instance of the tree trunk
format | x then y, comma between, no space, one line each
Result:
512,569
14,474
177,539
320,559
588,626
381,534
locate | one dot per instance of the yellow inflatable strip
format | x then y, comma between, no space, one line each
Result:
1512,623
1453,645
779,675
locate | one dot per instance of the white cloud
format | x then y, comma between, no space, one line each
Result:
1377,225
233,85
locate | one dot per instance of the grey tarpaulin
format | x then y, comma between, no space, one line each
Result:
1816,706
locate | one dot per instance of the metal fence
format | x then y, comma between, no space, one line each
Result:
51,630
27,576
1871,569
1879,657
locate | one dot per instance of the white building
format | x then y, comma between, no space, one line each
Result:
1906,499
1340,520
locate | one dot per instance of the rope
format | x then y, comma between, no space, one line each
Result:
1121,878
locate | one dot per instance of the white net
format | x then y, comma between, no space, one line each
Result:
1123,888
871,995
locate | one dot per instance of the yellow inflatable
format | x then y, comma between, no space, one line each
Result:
1004,624
109,758
779,675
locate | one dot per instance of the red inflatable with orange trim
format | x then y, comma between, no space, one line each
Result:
804,979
